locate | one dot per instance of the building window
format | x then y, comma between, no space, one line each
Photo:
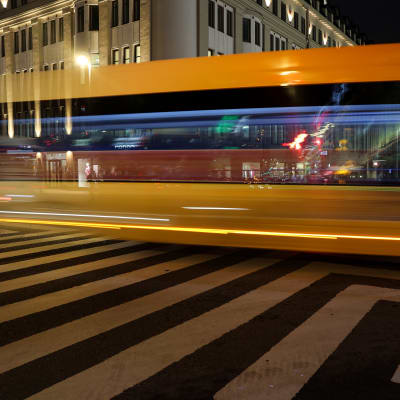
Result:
93,18
30,39
114,15
3,47
81,19
14,3
210,52
275,7
314,33
334,43
277,42
16,42
296,21
229,23
303,25
136,10
45,35
329,41
126,55
221,18
319,37
283,12
23,40
61,64
53,31
46,68
246,30
115,56
125,11
61,29
257,33
136,54
211,14
55,67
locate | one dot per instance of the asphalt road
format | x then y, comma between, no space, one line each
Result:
85,317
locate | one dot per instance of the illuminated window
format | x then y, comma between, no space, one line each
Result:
115,56
126,56
136,54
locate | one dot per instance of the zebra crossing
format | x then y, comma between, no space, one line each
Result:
87,317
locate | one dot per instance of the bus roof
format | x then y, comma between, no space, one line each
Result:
375,63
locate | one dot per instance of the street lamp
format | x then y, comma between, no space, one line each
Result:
84,63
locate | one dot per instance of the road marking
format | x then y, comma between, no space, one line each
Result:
65,255
281,372
33,347
54,299
49,247
162,350
73,270
39,242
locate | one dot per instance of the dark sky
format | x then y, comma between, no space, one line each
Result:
379,19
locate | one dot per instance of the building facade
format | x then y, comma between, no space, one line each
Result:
41,35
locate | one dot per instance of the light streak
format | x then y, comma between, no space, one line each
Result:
20,195
297,142
84,215
202,230
216,208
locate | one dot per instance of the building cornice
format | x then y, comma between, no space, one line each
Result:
34,12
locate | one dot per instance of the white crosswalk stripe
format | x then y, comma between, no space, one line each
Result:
134,320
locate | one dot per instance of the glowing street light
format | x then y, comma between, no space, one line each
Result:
84,63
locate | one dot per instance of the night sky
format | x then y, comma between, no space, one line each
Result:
379,19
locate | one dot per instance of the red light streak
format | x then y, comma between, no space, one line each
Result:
297,142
